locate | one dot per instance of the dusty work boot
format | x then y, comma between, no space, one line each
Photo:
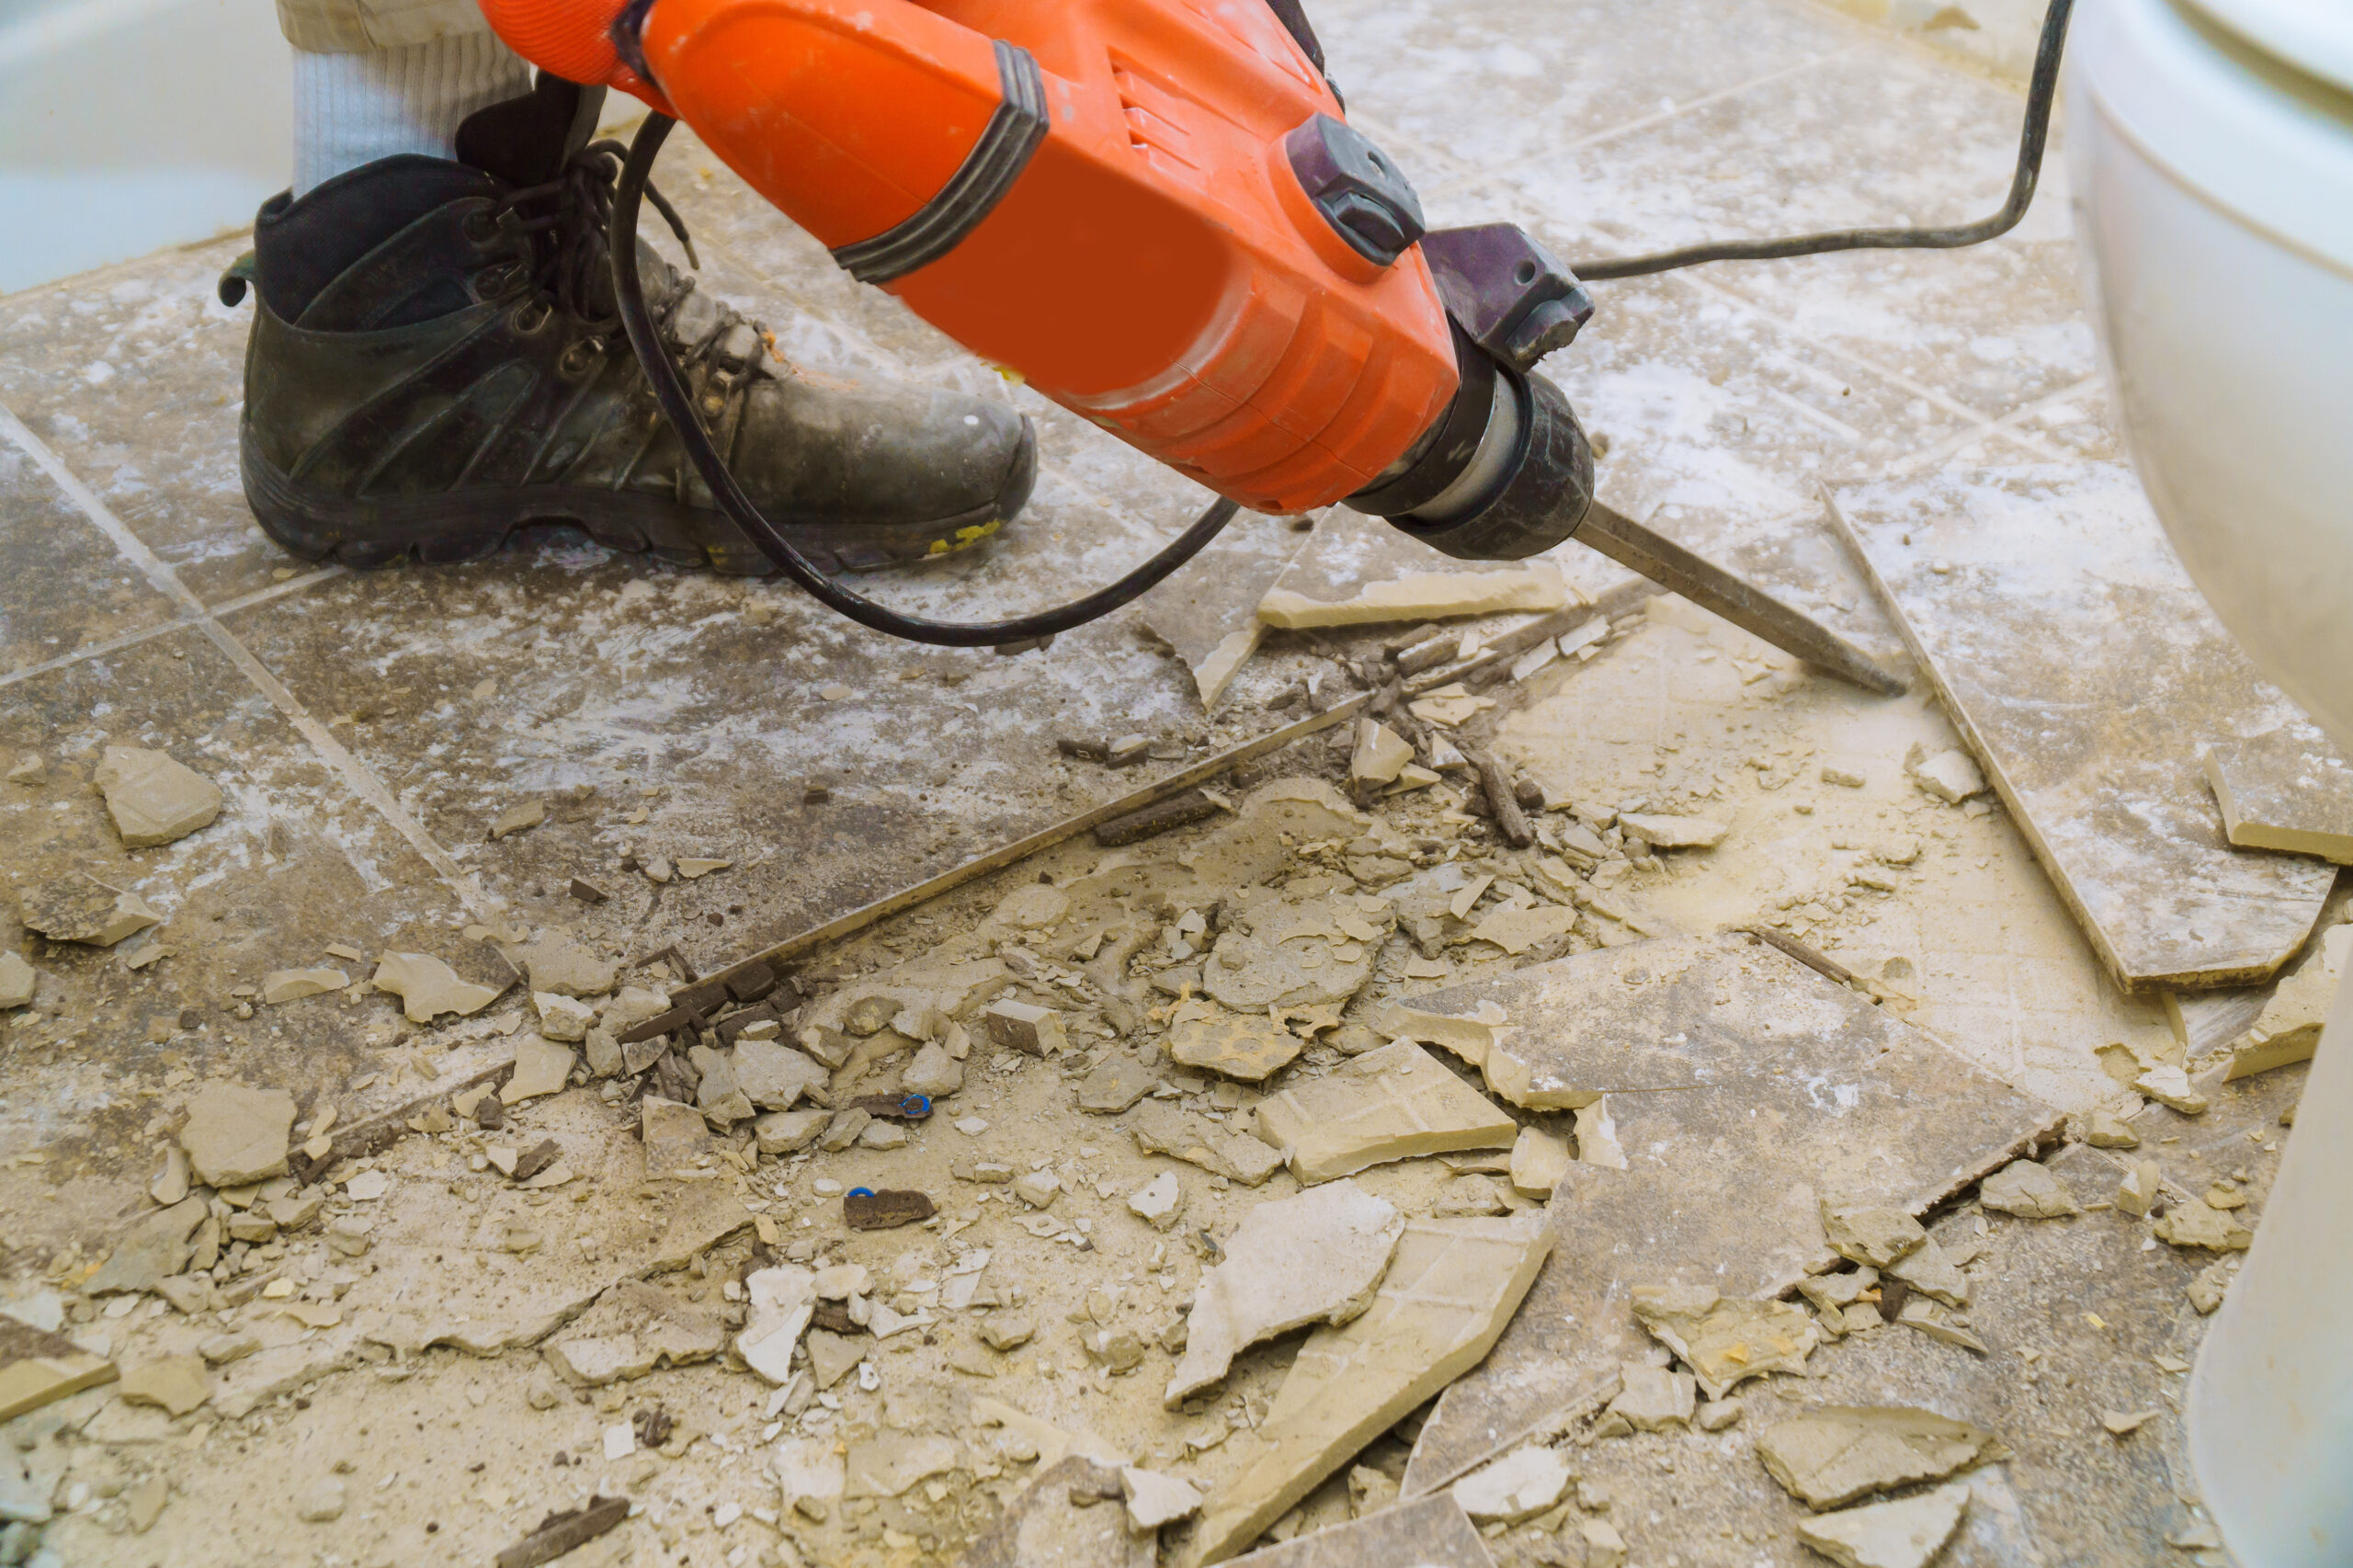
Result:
435,359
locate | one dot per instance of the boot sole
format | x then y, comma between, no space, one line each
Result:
460,526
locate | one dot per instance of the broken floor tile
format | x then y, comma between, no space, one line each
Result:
292,984
1930,1272
887,1464
1048,1527
1952,775
1209,615
774,1076
83,909
541,1067
1116,1083
1024,1027
519,818
557,963
1390,1104
2289,1026
175,1383
235,1136
2287,789
808,1467
1314,1259
1725,1340
1450,1288
18,980
1247,1045
152,1250
1787,1077
1159,1203
1159,1127
2198,1224
153,799
782,1299
1539,1161
1431,1532
2170,1088
1662,832
1380,754
1519,1485
2026,594
1873,1236
1517,930
675,1135
1906,1533
1651,1399
1155,1499
38,1367
1283,950
428,988
1358,571
561,1017
2027,1191
1836,1454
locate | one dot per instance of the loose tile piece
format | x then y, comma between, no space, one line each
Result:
177,1383
1247,1045
1159,1127
235,1136
153,799
1906,1533
428,988
543,1066
1314,1259
1208,614
1432,1533
1837,1453
83,909
1539,1161
2289,1026
1045,1526
1155,1499
2287,790
1672,832
1451,1289
1785,1086
1390,1104
292,984
1725,1340
2028,596
1360,571
18,980
1517,1486
38,1367
2027,1191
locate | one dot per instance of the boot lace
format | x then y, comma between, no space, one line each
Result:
570,220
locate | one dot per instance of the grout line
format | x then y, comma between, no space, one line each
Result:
356,775
95,651
132,639
1705,99
2005,428
278,590
1649,121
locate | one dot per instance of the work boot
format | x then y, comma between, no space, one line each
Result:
437,359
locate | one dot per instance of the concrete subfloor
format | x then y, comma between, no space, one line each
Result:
368,728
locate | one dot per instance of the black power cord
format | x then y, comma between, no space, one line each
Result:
2041,90
645,337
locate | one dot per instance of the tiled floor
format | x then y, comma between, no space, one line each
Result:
426,701
368,728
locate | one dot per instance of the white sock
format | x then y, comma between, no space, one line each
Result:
351,110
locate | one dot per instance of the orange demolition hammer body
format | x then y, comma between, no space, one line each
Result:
1156,212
